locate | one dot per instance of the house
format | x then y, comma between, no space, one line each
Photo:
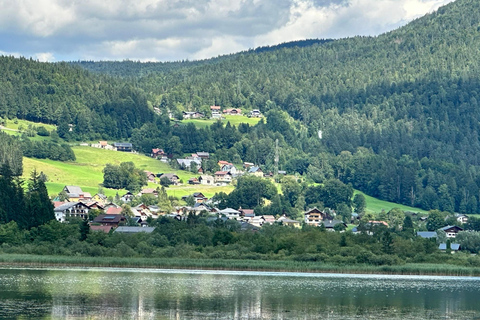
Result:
289,222
222,163
451,231
230,213
187,163
103,145
330,224
247,212
203,155
199,207
257,221
100,198
113,220
150,176
230,168
114,210
193,181
427,234
215,108
207,180
123,146
174,179
222,178
269,219
127,229
197,196
71,209
157,153
461,218
454,247
247,165
192,115
255,113
256,171
245,226
314,217
127,197
233,112
76,194
216,115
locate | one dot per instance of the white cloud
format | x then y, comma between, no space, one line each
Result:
44,57
193,29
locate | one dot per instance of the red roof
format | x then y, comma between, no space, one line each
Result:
221,173
57,204
155,151
215,108
113,210
103,143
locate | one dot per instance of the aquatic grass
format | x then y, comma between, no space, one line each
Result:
225,264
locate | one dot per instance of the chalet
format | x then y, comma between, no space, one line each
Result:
222,177
150,176
71,209
197,196
174,179
269,219
192,115
233,112
207,180
113,220
257,221
215,108
127,197
123,146
247,212
114,210
222,163
314,217
256,171
451,231
187,163
203,155
230,213
103,145
200,207
157,153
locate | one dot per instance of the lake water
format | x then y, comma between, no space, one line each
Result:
109,293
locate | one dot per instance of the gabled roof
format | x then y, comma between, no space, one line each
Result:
198,194
68,205
229,211
73,189
451,227
154,151
111,218
254,169
113,210
122,144
221,173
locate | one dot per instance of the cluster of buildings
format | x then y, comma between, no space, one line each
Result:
218,113
116,146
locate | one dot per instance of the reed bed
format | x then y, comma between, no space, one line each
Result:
16,260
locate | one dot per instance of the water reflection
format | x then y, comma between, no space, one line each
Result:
156,294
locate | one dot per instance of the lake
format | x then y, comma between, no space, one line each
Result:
110,293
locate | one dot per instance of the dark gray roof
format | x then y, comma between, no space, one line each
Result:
73,189
449,227
427,234
134,229
122,144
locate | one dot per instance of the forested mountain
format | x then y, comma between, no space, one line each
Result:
399,112
97,106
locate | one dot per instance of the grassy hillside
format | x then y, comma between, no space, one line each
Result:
234,121
375,205
86,172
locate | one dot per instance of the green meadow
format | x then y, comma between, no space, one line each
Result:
234,121
86,172
375,205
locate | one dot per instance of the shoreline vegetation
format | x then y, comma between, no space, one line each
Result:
422,269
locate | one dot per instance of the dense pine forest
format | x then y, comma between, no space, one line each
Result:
398,113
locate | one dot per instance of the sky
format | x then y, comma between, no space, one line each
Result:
171,30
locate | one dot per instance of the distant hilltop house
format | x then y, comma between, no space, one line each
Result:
233,112
103,145
123,146
256,171
192,115
157,153
216,112
255,113
174,179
